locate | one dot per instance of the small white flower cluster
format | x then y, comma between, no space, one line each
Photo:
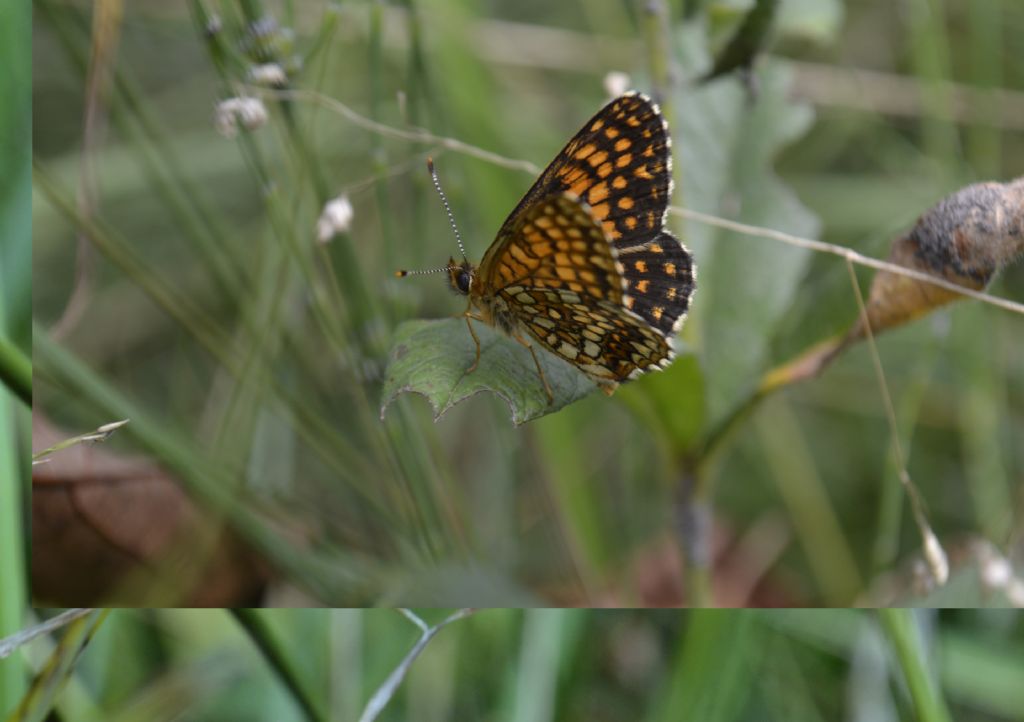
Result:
335,218
268,74
250,112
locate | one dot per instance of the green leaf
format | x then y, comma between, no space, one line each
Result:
725,147
431,358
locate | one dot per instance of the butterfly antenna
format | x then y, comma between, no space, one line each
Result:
447,208
403,273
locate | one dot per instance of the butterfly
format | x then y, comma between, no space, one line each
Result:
583,266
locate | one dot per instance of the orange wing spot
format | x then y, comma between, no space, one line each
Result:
588,276
625,203
622,144
598,193
585,151
566,274
640,266
596,159
642,172
571,174
619,182
610,231
605,170
574,232
633,122
656,248
556,234
670,269
652,221
542,222
647,133
600,211
671,294
656,312
630,222
611,132
580,187
542,249
641,286
575,287
623,160
562,259
648,152
597,125
520,255
579,246
628,302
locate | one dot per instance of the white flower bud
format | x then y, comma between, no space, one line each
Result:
616,83
268,74
335,218
250,112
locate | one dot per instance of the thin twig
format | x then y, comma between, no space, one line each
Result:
387,690
8,645
414,134
847,253
938,563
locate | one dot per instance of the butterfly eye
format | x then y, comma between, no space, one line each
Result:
462,281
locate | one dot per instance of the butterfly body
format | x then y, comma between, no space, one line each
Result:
583,266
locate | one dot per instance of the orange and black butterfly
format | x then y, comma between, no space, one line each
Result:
583,266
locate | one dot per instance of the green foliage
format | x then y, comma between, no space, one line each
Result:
541,665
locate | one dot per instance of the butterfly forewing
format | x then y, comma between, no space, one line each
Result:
659,279
620,164
555,243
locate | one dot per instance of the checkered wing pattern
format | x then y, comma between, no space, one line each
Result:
620,164
556,275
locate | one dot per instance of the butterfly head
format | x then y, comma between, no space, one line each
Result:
460,275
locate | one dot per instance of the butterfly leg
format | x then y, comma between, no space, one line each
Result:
540,371
468,316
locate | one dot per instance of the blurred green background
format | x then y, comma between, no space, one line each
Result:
545,664
249,357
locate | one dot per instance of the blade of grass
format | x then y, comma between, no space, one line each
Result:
279,659
35,706
901,631
15,368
